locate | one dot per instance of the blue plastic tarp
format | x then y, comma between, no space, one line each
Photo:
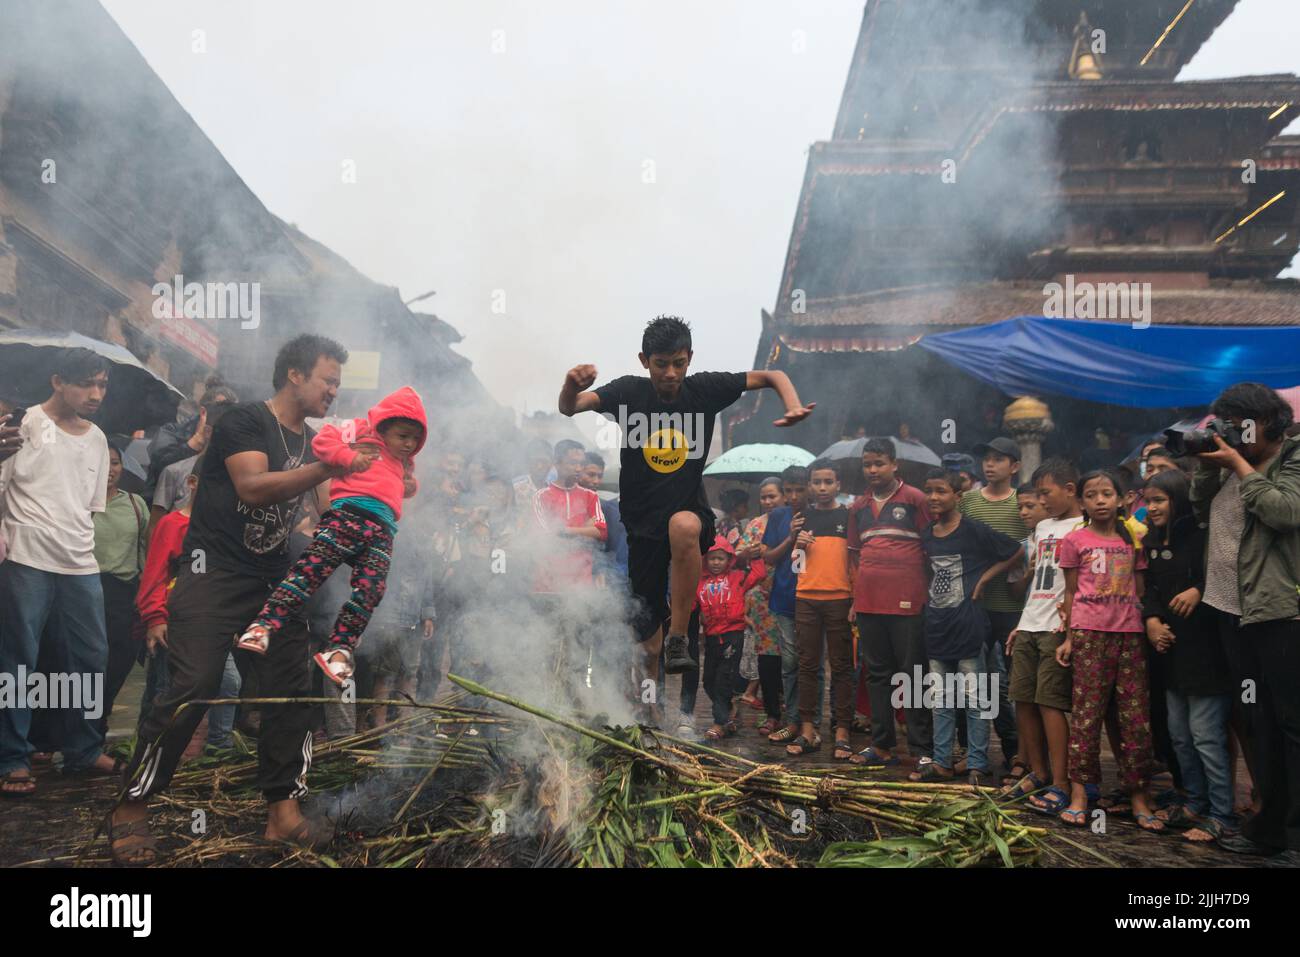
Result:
1115,363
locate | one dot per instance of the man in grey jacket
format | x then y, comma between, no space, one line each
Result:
1250,497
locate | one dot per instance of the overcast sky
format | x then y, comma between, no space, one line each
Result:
584,164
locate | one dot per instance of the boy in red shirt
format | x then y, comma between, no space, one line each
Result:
572,516
889,594
721,600
358,528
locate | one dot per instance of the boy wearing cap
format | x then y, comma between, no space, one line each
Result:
996,505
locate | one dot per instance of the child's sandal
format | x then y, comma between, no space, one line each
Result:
336,663
256,639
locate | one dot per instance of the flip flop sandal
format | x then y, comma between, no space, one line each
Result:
782,736
256,639
1074,818
142,852
871,759
767,727
1016,788
713,734
804,745
843,748
1144,820
25,786
1052,801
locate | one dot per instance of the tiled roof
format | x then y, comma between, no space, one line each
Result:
1229,304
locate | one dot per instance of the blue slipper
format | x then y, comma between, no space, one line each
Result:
1052,801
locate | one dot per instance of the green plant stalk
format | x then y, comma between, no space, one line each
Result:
474,687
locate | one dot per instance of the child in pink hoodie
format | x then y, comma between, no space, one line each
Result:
358,528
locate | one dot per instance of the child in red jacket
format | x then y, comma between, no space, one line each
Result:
358,528
721,600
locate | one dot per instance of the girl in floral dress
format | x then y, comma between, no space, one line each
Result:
762,655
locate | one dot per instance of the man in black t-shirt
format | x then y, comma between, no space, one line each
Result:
254,477
667,425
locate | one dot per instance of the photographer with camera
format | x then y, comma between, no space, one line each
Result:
1247,487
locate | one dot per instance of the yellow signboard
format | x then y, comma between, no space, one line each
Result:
361,370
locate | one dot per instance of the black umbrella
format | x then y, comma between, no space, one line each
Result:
137,398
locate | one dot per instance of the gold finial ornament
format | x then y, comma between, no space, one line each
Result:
1085,63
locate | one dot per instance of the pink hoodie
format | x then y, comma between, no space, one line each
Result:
385,480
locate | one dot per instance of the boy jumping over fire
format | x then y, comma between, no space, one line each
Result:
667,422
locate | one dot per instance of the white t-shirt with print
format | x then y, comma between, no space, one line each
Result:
1048,585
48,490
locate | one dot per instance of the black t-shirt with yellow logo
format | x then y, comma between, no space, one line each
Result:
665,444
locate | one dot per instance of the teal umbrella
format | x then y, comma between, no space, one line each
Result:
756,461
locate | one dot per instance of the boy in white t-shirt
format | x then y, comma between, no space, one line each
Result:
49,584
1040,686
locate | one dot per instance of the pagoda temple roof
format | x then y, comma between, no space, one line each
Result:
855,323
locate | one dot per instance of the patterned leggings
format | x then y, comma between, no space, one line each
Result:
342,536
1109,663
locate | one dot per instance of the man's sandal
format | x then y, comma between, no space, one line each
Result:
1074,818
843,751
782,735
14,786
804,746
871,759
1211,827
142,849
119,765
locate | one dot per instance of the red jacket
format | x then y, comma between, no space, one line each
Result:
160,568
721,598
557,507
385,480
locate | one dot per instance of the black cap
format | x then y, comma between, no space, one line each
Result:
1001,445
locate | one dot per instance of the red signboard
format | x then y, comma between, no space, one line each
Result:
192,336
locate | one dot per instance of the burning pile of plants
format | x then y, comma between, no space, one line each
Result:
450,785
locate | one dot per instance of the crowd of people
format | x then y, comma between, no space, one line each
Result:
1158,602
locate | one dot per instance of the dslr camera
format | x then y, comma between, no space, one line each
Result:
1195,441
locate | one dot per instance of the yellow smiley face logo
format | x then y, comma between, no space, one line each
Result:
666,450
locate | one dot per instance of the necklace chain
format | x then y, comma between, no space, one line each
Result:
891,494
285,442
